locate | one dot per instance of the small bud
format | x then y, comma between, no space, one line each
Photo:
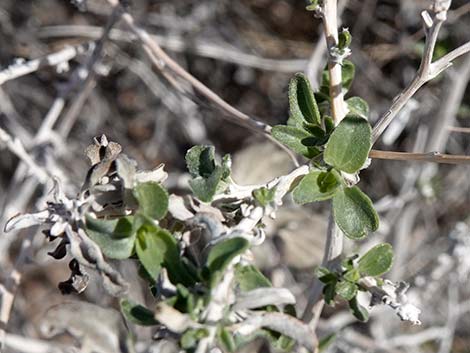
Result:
344,38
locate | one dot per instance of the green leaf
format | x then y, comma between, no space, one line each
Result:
114,237
348,71
226,340
329,291
352,275
186,301
354,213
148,250
192,336
376,261
155,248
137,313
358,106
264,195
152,198
208,177
294,138
325,275
206,188
348,263
344,38
329,124
349,144
346,289
302,104
249,278
221,254
318,136
200,161
316,186
358,310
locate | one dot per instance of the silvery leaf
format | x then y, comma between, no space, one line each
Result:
27,220
177,208
126,170
260,297
157,175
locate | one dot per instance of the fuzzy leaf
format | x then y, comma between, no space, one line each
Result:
206,188
329,291
222,254
349,144
346,289
354,213
264,195
316,186
376,261
208,177
149,251
21,221
358,310
302,103
200,161
115,237
137,313
294,138
152,198
250,278
358,106
155,248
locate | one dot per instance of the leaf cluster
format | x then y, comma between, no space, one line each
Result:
335,151
345,283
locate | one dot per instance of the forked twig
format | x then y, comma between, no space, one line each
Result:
433,20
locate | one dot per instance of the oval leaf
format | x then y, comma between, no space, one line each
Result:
293,138
222,254
156,247
114,237
302,103
153,199
358,106
316,186
376,261
150,250
249,278
137,313
349,144
200,161
354,213
346,289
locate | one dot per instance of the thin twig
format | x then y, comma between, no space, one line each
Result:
21,68
178,44
8,290
434,157
166,61
329,16
433,20
162,61
17,148
463,130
